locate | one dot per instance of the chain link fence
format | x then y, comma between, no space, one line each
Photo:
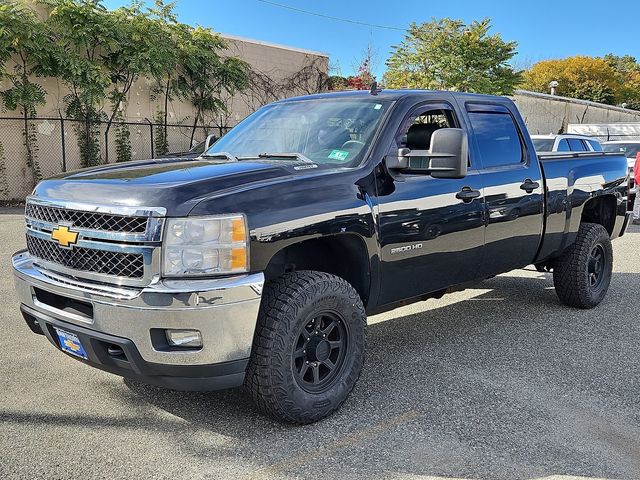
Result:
56,148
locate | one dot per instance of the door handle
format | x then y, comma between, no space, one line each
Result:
529,185
467,194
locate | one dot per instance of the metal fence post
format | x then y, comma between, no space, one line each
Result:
106,147
150,135
64,149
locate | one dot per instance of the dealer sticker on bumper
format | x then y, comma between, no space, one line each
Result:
70,343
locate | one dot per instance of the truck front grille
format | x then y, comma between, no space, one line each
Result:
118,264
85,219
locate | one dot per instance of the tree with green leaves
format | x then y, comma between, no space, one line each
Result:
142,49
165,78
447,54
204,75
85,33
26,46
628,72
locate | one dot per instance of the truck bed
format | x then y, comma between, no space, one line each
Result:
572,179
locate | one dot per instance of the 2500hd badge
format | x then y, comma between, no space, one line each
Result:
406,248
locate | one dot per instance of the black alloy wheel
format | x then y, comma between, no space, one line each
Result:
319,352
597,264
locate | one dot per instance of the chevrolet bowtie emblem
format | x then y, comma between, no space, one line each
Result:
64,236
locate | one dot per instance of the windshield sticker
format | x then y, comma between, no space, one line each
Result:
378,106
338,155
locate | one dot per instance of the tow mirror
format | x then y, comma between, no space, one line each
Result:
447,157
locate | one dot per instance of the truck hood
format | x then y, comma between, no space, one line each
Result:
175,184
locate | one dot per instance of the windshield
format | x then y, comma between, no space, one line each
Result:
332,132
542,144
630,150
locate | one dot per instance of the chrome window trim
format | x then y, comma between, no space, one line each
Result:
122,210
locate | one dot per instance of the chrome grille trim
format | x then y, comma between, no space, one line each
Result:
149,216
123,210
83,259
83,286
114,257
152,234
89,220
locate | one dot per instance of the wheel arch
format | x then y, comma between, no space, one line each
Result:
342,254
601,210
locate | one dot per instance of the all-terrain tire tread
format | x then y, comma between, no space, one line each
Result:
282,297
569,278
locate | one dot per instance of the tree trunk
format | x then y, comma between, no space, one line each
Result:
106,133
27,144
87,137
193,129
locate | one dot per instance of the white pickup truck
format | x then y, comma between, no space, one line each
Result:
565,143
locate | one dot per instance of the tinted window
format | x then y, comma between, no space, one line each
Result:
543,144
576,145
595,145
563,145
497,138
630,150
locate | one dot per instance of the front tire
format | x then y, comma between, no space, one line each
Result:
582,274
308,348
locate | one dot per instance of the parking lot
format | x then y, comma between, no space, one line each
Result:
498,381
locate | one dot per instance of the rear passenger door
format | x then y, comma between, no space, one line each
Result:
513,187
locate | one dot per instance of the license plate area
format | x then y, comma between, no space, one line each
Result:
70,343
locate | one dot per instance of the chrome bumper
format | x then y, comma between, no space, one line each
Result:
224,310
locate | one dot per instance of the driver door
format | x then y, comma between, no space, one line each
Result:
430,236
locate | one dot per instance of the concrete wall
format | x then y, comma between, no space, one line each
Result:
277,65
546,114
275,61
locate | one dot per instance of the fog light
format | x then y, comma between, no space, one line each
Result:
184,338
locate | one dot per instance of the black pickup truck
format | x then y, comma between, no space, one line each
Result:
258,262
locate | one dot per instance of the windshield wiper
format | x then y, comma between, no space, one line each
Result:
286,156
221,155
233,158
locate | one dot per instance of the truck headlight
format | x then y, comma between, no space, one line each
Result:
203,246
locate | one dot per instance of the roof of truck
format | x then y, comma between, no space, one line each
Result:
389,94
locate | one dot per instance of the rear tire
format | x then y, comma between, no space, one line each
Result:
308,348
582,274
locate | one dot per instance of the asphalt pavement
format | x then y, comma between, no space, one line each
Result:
496,382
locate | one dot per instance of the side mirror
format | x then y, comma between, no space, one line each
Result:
447,157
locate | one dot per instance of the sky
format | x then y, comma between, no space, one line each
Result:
543,29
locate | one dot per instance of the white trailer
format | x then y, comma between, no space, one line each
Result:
606,132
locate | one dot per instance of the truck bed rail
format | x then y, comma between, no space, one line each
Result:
564,155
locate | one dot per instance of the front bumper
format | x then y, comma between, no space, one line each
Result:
224,310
